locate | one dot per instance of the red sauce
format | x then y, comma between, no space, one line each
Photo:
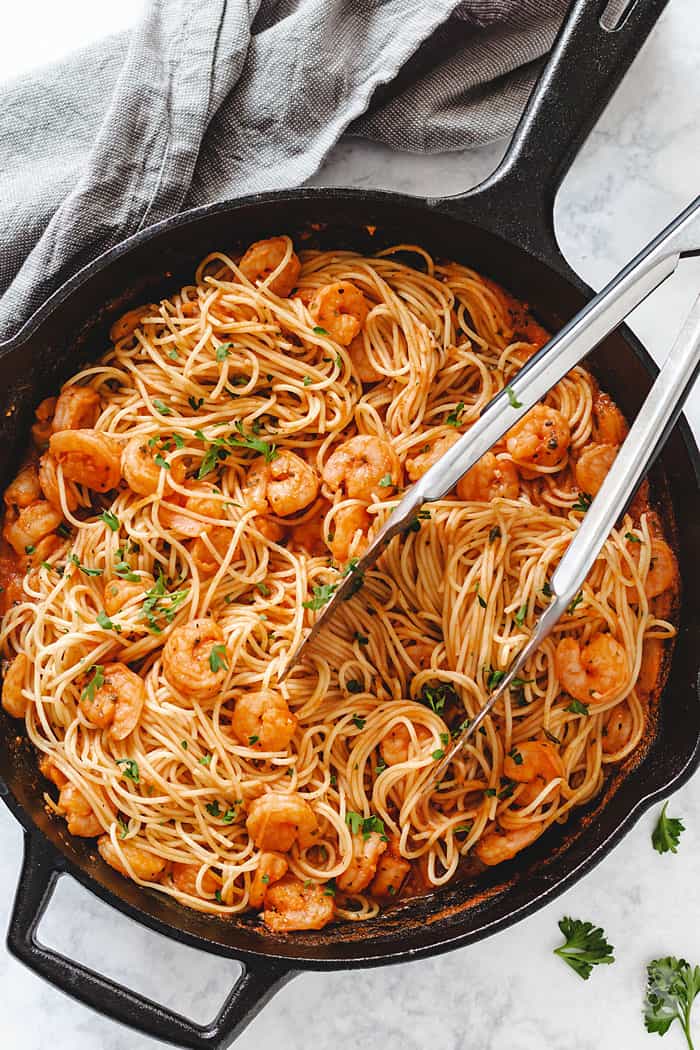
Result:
12,569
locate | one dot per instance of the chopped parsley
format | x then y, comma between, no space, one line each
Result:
577,708
454,418
160,605
495,533
385,482
252,740
358,721
365,825
575,602
436,694
632,538
516,756
161,407
222,351
217,658
95,683
512,399
481,600
583,502
83,568
307,380
318,330
321,594
521,614
361,639
353,686
160,462
205,760
30,548
106,624
195,403
494,677
130,770
110,520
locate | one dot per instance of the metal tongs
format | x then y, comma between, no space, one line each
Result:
656,418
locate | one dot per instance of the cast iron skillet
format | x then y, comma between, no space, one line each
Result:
504,229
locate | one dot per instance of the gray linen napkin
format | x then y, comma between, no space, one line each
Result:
211,99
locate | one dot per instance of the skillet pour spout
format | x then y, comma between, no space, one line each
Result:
503,228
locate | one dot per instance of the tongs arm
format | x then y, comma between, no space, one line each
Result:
647,435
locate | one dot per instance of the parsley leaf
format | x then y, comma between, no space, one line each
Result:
666,835
83,568
110,520
512,399
493,677
195,403
436,694
358,720
255,444
353,686
577,708
385,482
632,538
160,462
520,615
318,330
584,947
367,825
575,602
672,985
95,683
583,502
495,533
217,658
454,418
131,769
105,623
161,407
222,351
160,605
321,594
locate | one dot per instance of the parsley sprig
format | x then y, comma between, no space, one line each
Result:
321,594
365,825
584,947
672,986
219,449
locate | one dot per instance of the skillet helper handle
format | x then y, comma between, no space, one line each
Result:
40,871
585,66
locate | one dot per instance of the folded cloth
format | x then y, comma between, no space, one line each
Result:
205,101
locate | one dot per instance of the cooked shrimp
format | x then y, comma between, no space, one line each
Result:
220,539
420,464
80,818
540,439
491,478
195,659
263,258
287,484
663,569
594,671
202,503
271,868
185,878
41,430
392,869
271,530
609,424
366,851
31,525
13,699
617,729
146,867
295,905
309,535
363,367
593,465
25,488
88,457
497,846
48,480
117,702
263,721
128,323
398,745
359,465
49,769
341,309
535,763
276,821
139,467
77,408
349,535
119,593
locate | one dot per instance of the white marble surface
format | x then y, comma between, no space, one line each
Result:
509,993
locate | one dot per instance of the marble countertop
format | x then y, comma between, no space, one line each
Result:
640,166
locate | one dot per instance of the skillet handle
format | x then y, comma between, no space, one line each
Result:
585,66
40,871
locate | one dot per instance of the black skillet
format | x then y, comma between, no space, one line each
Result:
504,229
